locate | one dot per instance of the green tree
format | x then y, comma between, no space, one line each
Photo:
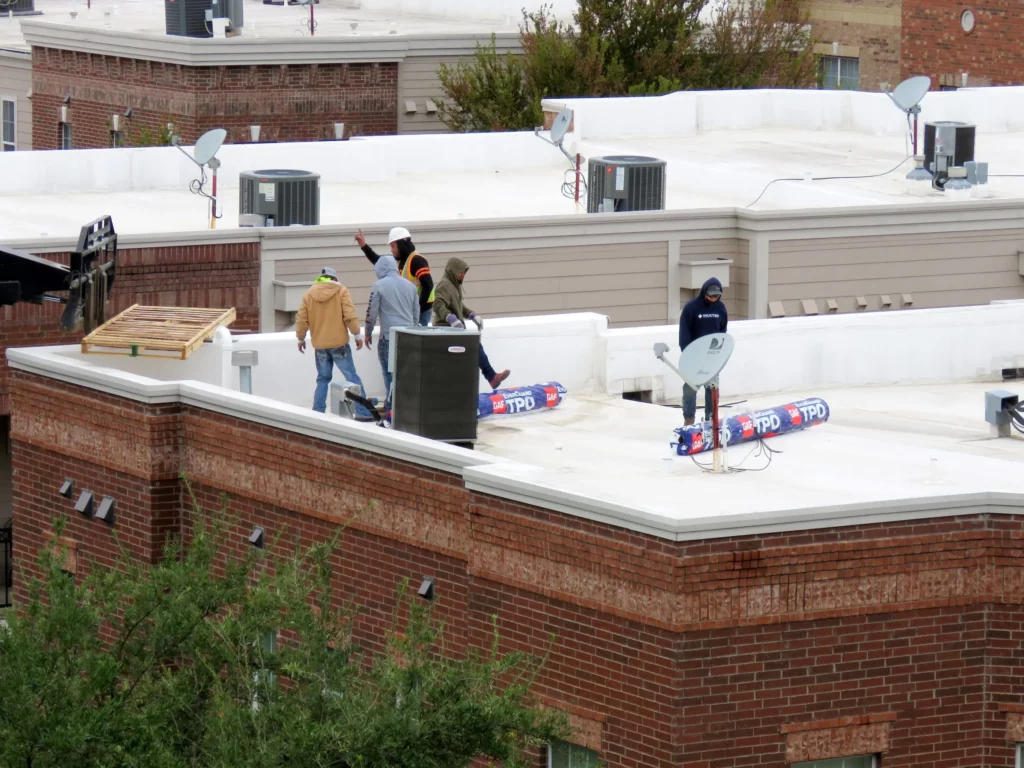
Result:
217,660
634,47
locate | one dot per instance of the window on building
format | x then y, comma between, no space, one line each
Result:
839,73
1019,763
117,138
65,135
8,125
562,754
864,761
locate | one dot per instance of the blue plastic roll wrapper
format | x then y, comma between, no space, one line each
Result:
744,427
520,400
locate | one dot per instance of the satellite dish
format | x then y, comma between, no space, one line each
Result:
908,94
704,358
561,126
208,145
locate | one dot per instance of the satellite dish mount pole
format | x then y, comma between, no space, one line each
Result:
915,112
711,390
213,164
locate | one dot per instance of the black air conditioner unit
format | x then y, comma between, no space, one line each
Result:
436,382
230,10
18,7
278,198
625,183
187,18
963,141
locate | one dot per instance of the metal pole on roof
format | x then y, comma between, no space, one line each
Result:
577,179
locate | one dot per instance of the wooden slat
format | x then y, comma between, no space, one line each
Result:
164,329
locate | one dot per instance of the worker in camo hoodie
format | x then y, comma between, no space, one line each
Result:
449,309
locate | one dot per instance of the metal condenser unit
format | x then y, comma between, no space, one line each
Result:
625,183
278,198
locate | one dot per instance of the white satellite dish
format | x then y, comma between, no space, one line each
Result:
908,94
204,154
704,358
561,126
208,145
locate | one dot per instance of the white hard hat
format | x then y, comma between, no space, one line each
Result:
398,233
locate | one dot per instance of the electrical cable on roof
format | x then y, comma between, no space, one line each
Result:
761,448
833,178
569,183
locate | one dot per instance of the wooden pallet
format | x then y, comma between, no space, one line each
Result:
178,330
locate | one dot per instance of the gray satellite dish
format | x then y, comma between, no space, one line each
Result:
704,358
561,126
908,94
208,145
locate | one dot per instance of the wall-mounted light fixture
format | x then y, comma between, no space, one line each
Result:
106,510
129,112
426,590
67,488
84,503
257,538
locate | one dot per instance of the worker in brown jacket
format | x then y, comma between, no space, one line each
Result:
329,315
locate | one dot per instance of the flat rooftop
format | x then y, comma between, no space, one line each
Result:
906,436
334,19
910,444
723,150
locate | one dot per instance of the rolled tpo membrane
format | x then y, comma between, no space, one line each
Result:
746,427
520,400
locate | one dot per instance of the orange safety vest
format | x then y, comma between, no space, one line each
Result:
407,274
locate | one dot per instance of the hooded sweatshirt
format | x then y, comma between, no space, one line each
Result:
701,317
393,299
448,295
329,314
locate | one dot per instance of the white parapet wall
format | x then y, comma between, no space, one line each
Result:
580,352
853,350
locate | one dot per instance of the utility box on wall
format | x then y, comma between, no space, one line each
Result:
693,274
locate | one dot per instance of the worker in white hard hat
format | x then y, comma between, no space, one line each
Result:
411,265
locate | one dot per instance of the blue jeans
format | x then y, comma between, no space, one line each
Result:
425,316
690,402
485,365
326,359
383,347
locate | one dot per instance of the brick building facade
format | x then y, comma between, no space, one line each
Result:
936,43
900,639
887,41
214,275
289,103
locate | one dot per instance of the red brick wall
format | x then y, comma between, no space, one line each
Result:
288,102
935,44
222,275
749,651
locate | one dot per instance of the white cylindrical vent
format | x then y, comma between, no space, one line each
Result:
115,122
64,114
254,133
339,131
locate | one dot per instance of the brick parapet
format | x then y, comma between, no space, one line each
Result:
917,671
288,102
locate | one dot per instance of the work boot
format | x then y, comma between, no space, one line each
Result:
498,378
688,422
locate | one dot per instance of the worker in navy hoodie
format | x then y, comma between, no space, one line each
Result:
701,316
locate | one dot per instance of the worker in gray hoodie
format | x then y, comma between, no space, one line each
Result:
395,302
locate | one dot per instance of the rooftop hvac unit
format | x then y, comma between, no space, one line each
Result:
436,382
18,7
278,198
230,10
955,139
625,183
187,18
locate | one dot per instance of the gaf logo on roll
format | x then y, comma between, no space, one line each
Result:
456,350
498,403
